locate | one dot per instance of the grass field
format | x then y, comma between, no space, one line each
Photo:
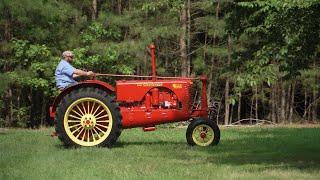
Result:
243,153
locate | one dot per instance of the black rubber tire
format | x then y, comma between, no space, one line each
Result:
92,93
195,123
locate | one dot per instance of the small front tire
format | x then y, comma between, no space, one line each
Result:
203,133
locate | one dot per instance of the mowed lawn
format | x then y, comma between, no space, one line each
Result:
243,153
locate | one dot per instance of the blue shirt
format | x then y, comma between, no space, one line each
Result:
64,74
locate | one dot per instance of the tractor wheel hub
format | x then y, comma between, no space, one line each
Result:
88,121
203,135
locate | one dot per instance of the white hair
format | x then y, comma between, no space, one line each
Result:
67,53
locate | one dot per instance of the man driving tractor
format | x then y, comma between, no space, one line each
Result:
65,72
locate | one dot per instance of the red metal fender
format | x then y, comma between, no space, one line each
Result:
89,83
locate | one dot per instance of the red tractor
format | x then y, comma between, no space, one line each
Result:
93,113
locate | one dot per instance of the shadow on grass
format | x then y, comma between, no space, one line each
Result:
279,148
123,144
282,148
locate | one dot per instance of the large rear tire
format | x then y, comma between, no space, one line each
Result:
88,117
203,132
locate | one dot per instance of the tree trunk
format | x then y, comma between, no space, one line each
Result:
183,48
119,6
227,106
262,108
278,102
305,104
210,79
10,106
292,101
94,12
256,102
239,107
7,25
226,102
189,39
231,114
218,112
314,96
251,108
314,106
43,110
309,113
288,102
18,94
273,104
283,103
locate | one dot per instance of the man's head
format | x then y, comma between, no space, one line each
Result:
68,56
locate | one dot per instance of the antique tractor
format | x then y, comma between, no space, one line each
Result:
93,113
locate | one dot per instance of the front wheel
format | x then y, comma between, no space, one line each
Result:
203,133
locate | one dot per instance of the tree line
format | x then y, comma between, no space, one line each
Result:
261,56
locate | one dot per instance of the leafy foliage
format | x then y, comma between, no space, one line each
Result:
273,42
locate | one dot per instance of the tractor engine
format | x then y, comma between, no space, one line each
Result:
163,100
160,98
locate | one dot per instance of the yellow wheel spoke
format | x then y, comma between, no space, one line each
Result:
72,120
92,135
103,126
79,133
88,138
80,110
205,138
84,134
84,108
96,110
102,116
100,129
103,121
96,132
74,116
76,130
99,113
77,113
94,103
74,126
88,106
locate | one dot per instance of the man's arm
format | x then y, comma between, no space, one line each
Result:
79,72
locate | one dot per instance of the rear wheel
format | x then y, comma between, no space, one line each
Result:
88,117
203,133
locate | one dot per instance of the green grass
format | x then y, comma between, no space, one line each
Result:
243,153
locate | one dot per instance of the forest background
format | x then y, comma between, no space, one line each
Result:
261,57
